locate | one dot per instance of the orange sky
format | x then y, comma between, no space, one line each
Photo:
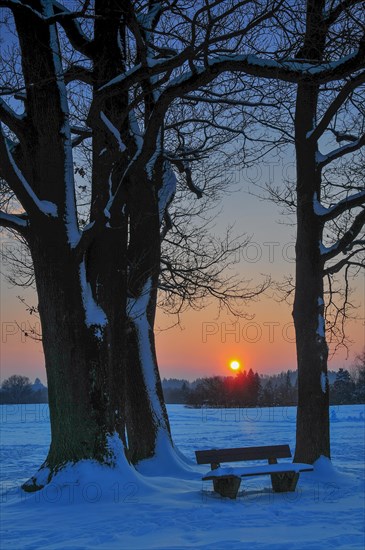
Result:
205,344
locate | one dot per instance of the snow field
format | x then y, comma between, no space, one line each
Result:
166,505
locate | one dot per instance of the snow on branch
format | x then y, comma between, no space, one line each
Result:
150,19
139,33
95,317
189,81
290,71
67,19
167,191
11,173
13,221
345,243
14,121
135,131
331,212
137,306
323,160
113,130
221,100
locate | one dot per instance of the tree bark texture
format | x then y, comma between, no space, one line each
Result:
312,437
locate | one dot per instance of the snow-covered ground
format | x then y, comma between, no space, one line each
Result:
167,506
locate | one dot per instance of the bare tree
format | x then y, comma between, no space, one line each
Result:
327,130
326,38
97,283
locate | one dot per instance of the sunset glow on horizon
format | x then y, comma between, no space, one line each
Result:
203,346
207,339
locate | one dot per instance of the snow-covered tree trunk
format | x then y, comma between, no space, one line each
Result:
83,323
134,216
84,361
147,420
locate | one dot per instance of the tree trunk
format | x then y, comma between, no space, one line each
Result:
132,212
146,413
84,356
312,439
147,418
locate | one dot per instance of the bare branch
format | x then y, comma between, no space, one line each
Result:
184,167
339,100
286,70
335,268
18,5
332,16
76,72
340,136
345,242
323,160
72,28
352,201
82,133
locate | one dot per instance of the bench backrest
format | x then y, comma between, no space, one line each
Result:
245,453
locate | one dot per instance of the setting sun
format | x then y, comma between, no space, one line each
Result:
234,365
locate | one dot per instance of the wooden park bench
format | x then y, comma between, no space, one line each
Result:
227,480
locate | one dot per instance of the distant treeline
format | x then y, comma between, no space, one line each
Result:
19,389
245,389
249,389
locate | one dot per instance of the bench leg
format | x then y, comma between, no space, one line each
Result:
284,483
227,487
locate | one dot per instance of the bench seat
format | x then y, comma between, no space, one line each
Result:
248,471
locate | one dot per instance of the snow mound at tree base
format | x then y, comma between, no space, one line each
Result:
90,480
168,462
